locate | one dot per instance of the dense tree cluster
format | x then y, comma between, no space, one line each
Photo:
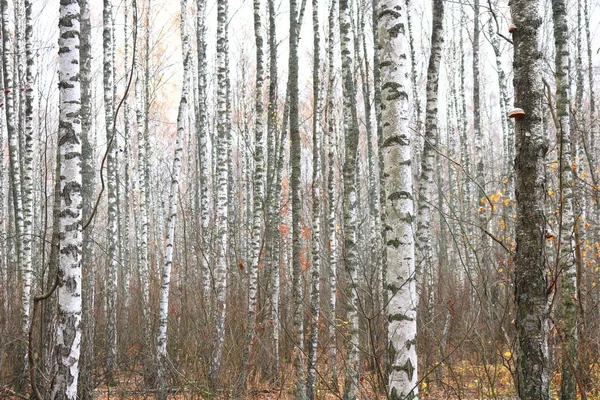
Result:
355,198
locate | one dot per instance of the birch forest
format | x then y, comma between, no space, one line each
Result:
300,199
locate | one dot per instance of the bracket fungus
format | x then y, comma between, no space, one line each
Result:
516,113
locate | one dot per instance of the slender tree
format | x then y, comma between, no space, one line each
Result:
257,198
27,164
111,182
222,143
14,165
296,170
88,321
203,152
165,286
350,201
273,189
316,240
425,255
332,197
566,250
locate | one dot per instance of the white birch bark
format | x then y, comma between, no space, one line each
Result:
295,176
332,196
350,202
88,321
400,246
143,169
566,250
273,190
258,198
111,183
14,166
203,152
69,288
222,142
127,178
316,239
426,260
27,167
171,218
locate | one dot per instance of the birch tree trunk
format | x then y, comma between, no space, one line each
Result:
88,321
317,178
14,168
400,246
273,193
161,338
296,170
111,182
203,152
425,257
143,169
222,143
69,286
350,202
566,250
258,201
332,199
127,178
530,275
27,167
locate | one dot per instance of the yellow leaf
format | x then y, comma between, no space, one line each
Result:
550,192
507,354
500,270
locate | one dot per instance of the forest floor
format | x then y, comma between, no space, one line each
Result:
461,380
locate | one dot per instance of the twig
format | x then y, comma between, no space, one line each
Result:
114,131
497,24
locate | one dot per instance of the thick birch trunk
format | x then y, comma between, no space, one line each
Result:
530,274
400,247
69,287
